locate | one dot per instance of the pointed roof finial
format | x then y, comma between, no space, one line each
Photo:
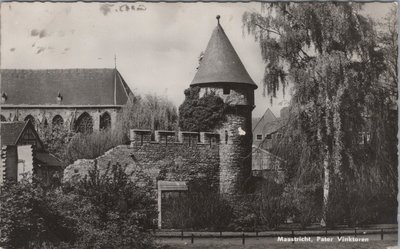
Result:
221,64
115,60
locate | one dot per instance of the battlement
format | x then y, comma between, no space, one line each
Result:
140,137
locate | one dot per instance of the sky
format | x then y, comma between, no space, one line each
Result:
156,45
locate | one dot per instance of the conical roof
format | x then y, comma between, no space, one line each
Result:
221,63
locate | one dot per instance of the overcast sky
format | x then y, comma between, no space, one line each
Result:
157,47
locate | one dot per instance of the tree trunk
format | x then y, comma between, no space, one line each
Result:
325,187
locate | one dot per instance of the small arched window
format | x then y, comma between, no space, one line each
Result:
3,119
57,121
84,124
31,118
105,121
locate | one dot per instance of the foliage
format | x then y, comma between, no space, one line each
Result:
207,207
267,207
26,219
148,112
55,139
92,145
103,211
334,59
204,113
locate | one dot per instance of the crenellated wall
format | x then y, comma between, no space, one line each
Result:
170,156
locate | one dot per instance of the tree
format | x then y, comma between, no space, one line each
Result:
330,53
109,210
148,112
56,139
204,113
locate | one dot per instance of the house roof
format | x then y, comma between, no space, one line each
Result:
221,63
48,159
11,132
273,126
88,87
268,117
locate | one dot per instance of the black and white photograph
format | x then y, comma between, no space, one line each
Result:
174,125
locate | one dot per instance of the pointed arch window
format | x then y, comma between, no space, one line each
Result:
105,121
31,118
84,124
45,123
2,118
57,121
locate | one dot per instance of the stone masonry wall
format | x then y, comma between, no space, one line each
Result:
67,114
163,160
235,152
236,136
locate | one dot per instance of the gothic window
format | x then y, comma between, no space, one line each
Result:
105,121
3,119
57,120
31,118
227,90
259,137
45,123
84,124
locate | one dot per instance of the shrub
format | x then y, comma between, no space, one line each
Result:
208,208
204,113
56,139
102,211
268,207
89,146
26,219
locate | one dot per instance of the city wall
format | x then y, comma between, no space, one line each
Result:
166,156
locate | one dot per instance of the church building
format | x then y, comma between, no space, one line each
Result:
81,99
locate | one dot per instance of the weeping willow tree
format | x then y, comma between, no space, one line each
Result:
148,112
337,133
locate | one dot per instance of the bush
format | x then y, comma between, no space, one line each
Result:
208,208
26,219
89,146
102,211
201,114
267,208
56,139
305,203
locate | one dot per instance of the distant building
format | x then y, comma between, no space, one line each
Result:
22,153
81,99
268,128
266,131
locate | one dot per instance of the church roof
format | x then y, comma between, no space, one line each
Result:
76,87
221,63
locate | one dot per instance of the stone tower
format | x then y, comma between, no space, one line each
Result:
221,71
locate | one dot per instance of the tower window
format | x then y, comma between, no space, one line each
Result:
227,90
259,137
226,137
